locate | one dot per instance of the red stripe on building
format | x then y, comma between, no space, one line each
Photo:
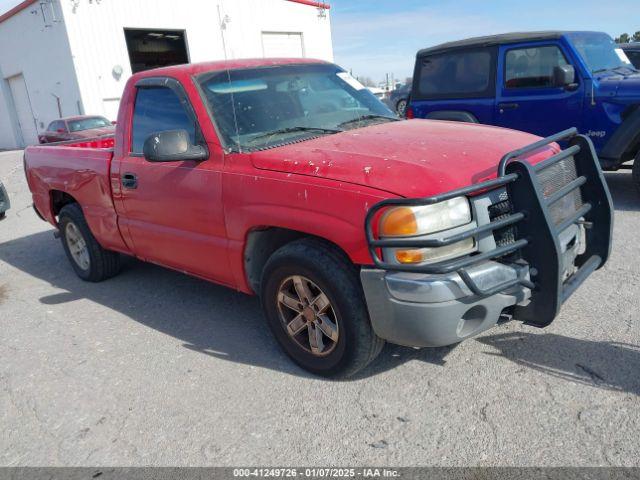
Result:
312,3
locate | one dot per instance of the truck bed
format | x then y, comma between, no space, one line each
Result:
80,170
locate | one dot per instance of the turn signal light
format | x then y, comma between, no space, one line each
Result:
409,256
399,222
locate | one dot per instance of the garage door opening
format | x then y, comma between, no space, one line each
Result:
282,44
155,48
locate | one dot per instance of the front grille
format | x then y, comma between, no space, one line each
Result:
506,235
552,179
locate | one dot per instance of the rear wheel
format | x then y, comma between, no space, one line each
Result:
635,172
89,260
315,307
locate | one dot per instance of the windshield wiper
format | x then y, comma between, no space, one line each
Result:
614,69
296,129
368,117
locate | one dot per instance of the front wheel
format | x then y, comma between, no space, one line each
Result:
315,307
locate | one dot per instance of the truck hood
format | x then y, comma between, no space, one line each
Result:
411,158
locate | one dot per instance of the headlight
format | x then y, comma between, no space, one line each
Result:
426,220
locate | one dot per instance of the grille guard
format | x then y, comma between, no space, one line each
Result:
538,236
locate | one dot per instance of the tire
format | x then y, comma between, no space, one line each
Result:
100,263
330,272
401,107
635,172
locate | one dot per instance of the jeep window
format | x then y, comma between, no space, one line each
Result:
158,109
599,52
532,67
264,107
456,74
634,57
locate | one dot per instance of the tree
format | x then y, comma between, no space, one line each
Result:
366,81
636,36
624,38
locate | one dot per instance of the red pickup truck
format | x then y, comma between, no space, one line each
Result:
288,179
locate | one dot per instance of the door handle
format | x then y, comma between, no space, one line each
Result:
129,180
507,106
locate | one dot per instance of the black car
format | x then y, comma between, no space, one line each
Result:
397,99
633,53
4,201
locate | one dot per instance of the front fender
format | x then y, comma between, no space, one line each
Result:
624,143
314,207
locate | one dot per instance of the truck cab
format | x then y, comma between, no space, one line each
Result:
538,82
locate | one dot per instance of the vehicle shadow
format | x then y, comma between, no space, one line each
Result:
606,365
624,193
207,318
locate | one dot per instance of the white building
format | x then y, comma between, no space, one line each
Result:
68,57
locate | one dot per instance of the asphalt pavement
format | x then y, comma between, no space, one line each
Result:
153,367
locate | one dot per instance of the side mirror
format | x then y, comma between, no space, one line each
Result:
60,130
172,146
113,122
564,76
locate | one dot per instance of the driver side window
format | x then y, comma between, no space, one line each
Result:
532,67
157,109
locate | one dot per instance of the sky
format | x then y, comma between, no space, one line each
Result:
376,37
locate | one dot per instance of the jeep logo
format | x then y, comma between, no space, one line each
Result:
598,134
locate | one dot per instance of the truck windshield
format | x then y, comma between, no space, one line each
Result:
87,123
265,107
599,51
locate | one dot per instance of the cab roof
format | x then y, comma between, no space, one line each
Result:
491,40
190,69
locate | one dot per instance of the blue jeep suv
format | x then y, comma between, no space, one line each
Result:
538,82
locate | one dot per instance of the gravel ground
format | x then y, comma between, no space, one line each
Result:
157,368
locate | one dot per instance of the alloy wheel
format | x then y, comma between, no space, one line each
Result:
307,315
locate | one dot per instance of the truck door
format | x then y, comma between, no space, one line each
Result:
528,97
455,85
172,211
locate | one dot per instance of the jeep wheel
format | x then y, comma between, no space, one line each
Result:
401,108
313,301
89,260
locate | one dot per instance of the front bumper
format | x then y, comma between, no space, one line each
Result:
421,310
548,256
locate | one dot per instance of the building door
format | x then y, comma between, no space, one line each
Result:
155,48
110,107
282,44
23,112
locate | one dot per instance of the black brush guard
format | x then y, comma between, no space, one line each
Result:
537,235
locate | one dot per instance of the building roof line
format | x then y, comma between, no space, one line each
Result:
313,3
26,3
17,9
